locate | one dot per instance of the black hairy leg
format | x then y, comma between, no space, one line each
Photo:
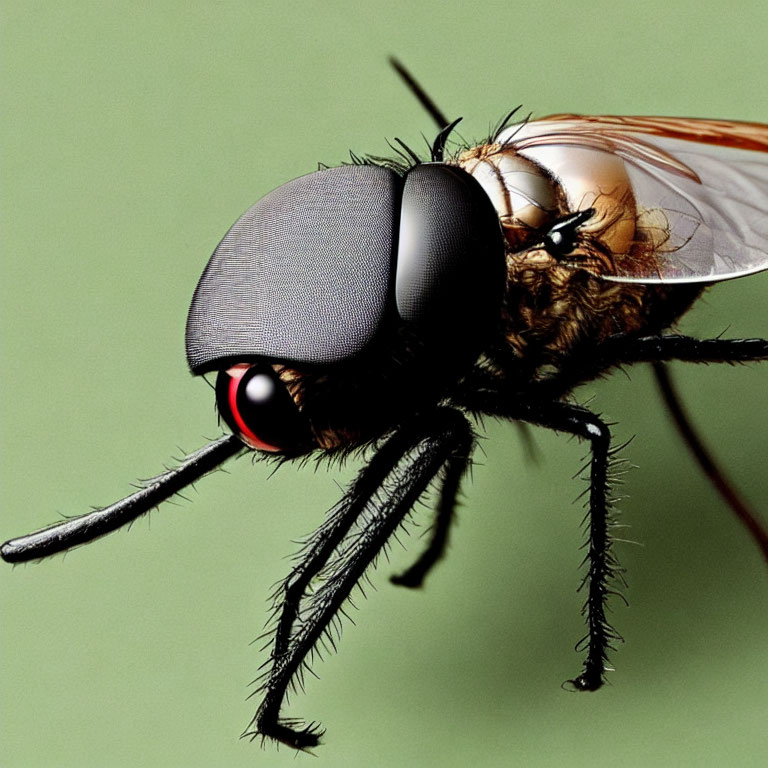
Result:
626,349
657,350
603,571
75,531
455,467
310,603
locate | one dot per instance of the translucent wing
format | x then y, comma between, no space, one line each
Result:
697,189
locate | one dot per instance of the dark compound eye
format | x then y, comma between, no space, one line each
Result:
560,240
258,408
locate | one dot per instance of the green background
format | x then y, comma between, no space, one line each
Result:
133,134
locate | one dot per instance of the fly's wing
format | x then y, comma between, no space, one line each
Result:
700,189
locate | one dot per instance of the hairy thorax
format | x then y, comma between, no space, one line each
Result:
557,304
551,311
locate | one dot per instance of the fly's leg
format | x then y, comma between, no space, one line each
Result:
706,461
413,577
75,531
602,567
320,546
314,556
656,349
603,570
336,557
625,349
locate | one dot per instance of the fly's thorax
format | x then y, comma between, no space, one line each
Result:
552,315
534,189
525,197
555,303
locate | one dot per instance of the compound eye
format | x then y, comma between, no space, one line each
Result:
258,408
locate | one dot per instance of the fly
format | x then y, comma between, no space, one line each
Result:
381,305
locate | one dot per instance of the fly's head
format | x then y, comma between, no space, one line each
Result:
292,408
345,301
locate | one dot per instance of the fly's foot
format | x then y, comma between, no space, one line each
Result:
413,578
584,682
288,732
